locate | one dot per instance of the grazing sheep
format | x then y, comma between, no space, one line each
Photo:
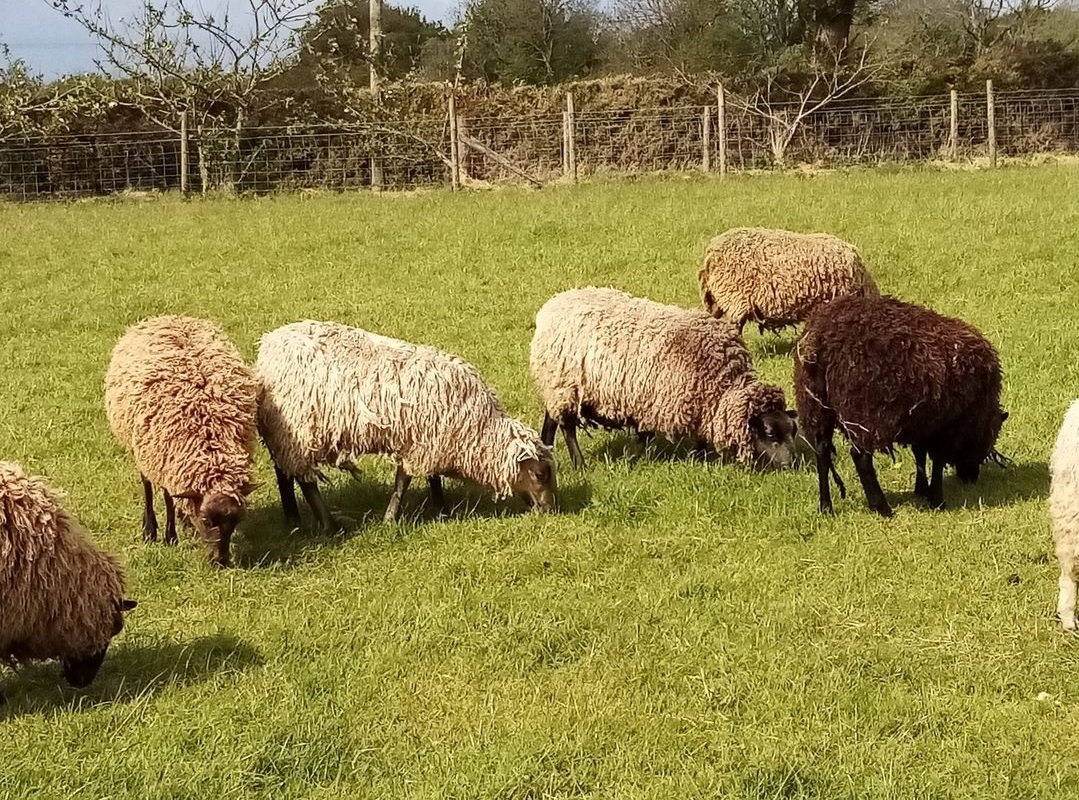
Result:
776,278
179,396
60,597
331,394
604,358
888,372
1064,512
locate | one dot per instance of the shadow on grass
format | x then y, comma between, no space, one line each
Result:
130,672
268,541
623,446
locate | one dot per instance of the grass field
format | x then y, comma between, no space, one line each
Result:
678,630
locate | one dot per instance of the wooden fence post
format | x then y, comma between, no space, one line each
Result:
991,122
571,139
184,164
721,128
464,153
455,144
706,139
953,128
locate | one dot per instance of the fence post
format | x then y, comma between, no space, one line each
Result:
455,144
464,153
991,122
953,127
721,128
183,153
570,133
706,139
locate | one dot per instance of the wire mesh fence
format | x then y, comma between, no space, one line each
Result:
406,154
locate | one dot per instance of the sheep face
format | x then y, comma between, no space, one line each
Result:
216,517
536,483
773,435
80,671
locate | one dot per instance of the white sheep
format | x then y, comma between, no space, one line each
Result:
1064,512
332,393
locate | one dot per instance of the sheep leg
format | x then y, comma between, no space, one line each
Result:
824,467
149,520
400,485
286,487
569,431
550,428
438,499
935,495
314,499
921,482
874,495
1066,598
170,518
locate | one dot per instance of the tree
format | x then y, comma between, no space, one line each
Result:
340,38
29,107
530,41
173,58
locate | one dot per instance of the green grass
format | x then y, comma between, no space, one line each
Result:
680,630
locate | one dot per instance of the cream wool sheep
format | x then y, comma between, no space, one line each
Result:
1064,512
603,357
776,278
332,393
60,597
179,396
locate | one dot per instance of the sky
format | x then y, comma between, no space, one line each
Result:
52,45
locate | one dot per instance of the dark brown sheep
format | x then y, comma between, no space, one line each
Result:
887,372
60,597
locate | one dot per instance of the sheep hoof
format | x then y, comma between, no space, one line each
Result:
826,508
149,535
883,509
1066,622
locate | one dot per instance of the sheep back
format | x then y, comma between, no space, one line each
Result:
611,359
59,596
333,393
776,277
179,396
886,372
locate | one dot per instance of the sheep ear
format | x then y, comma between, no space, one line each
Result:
193,496
247,488
792,413
1003,415
128,605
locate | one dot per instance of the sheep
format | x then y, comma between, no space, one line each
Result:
60,597
180,398
888,372
603,358
776,278
332,393
1064,512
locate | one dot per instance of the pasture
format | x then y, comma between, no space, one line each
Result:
678,630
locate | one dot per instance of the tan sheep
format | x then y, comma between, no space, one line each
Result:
776,278
603,357
179,396
60,597
332,394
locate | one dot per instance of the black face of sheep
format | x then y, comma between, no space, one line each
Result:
774,434
80,671
536,483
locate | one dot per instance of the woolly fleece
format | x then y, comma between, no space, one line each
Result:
333,393
776,278
59,596
179,396
606,357
1064,511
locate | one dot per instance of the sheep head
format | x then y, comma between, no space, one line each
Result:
216,517
80,671
536,482
773,435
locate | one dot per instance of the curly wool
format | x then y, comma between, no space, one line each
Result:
179,396
1064,510
59,596
608,358
776,278
886,372
332,393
